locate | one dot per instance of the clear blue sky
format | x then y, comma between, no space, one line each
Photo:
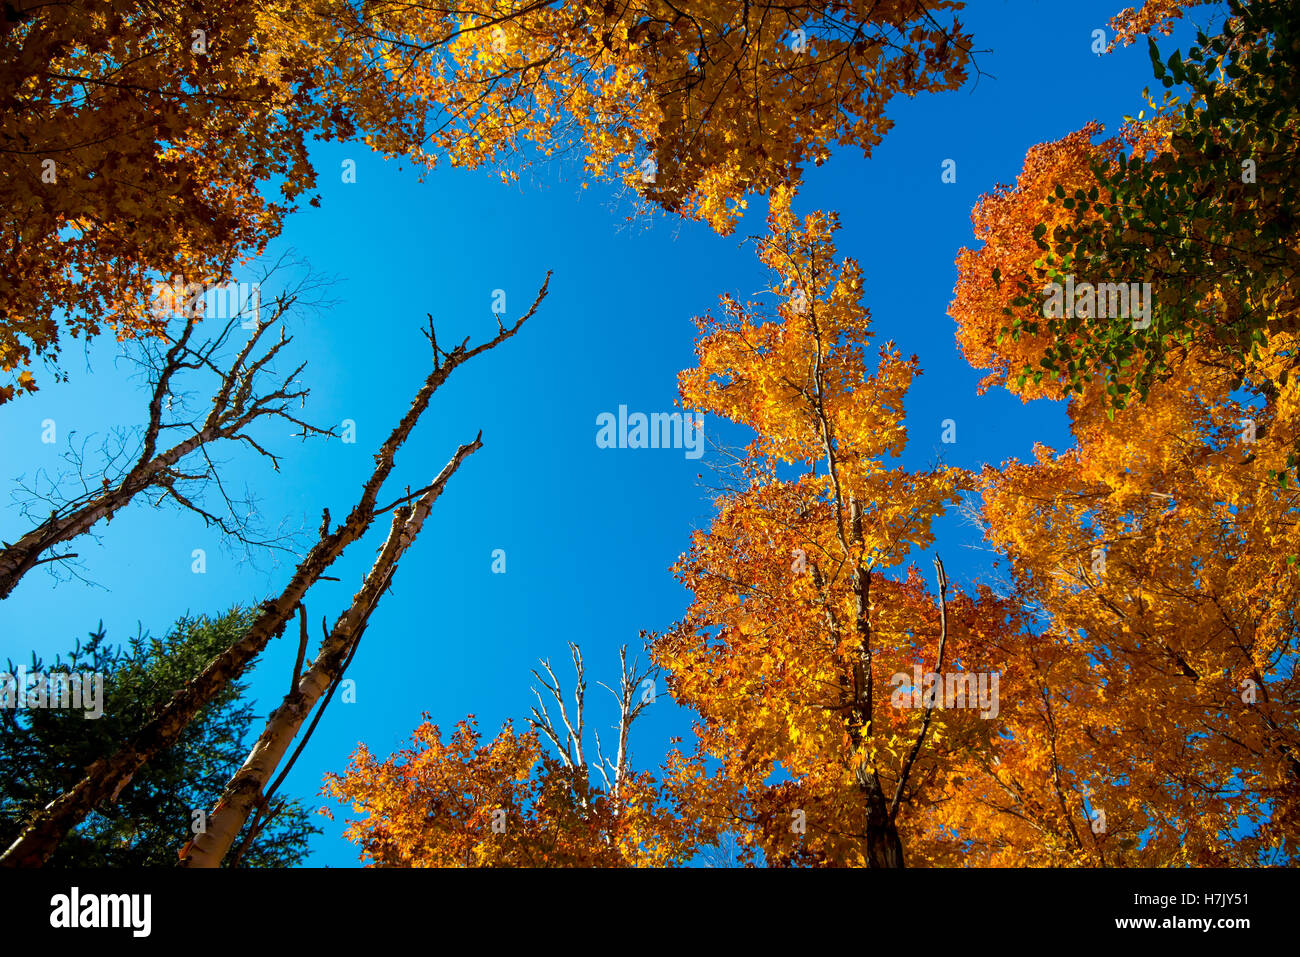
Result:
589,533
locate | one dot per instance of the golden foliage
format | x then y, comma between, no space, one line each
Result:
722,99
504,803
788,595
142,138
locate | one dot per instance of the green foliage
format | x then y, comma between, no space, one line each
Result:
44,751
1220,250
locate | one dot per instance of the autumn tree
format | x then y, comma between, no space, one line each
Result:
45,751
511,801
140,139
794,639
1199,204
694,105
434,803
1029,797
1156,553
136,140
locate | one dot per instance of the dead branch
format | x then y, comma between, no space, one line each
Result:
246,393
46,828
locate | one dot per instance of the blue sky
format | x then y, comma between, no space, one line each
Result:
589,533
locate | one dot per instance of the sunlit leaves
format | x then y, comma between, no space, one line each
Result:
767,652
465,802
715,95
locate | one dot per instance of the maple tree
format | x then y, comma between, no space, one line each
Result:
1199,203
137,138
141,138
511,802
433,804
1154,557
794,632
694,105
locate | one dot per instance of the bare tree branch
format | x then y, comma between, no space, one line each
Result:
239,400
244,792
46,828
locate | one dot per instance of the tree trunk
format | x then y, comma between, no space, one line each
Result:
245,789
884,847
106,777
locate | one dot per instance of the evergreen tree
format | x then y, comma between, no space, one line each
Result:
44,751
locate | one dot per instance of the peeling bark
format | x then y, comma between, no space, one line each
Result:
243,793
103,778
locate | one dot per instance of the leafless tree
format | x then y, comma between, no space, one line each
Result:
247,792
105,778
568,740
173,457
